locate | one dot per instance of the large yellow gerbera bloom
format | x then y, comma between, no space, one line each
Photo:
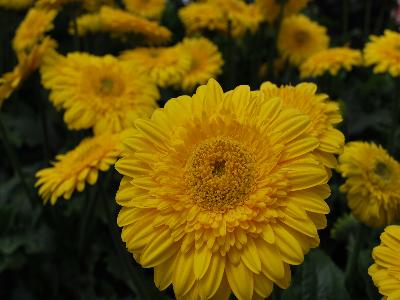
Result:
330,61
28,62
151,9
299,38
384,53
121,22
16,4
32,29
385,270
324,115
221,193
206,62
71,171
372,183
165,65
271,8
98,92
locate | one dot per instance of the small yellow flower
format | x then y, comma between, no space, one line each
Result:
16,4
33,28
121,22
384,53
330,61
151,9
206,62
166,66
221,193
271,8
299,38
72,170
372,183
27,63
385,270
98,92
323,113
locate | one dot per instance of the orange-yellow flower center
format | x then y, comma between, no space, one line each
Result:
220,174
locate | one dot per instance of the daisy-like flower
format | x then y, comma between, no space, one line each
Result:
299,38
32,29
323,113
271,8
98,92
221,193
72,170
330,61
372,181
384,53
385,270
121,22
27,63
199,16
166,66
16,4
151,9
206,62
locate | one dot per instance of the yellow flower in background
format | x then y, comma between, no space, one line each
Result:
372,183
323,113
122,22
33,28
384,52
330,61
95,5
16,4
299,38
27,63
151,9
166,66
98,92
203,16
206,62
271,8
215,15
86,24
221,193
72,170
385,270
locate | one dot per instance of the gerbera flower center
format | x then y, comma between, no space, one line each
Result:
220,174
302,37
106,86
382,171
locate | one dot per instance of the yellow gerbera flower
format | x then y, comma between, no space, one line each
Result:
98,92
203,16
206,62
151,9
330,60
385,270
221,193
216,14
28,62
32,29
271,8
299,38
119,21
372,181
72,170
384,53
165,65
16,4
324,115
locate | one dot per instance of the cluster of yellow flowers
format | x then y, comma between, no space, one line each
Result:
217,186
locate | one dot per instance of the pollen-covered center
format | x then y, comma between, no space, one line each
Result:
302,37
220,174
382,171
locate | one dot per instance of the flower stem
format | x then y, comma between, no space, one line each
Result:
351,267
15,162
144,291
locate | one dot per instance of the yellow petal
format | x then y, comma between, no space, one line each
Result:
243,289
